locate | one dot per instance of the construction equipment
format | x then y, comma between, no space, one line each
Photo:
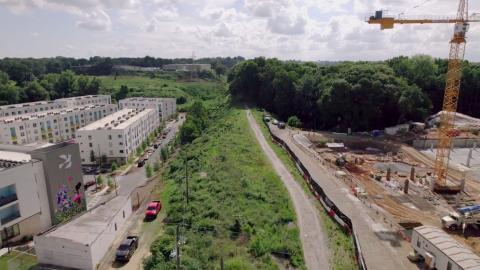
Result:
466,216
454,75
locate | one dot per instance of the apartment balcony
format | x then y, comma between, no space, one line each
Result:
9,214
14,138
4,200
50,136
44,138
78,124
44,131
50,130
72,125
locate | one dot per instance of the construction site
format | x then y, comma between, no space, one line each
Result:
398,179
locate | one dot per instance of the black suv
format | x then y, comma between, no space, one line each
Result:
127,248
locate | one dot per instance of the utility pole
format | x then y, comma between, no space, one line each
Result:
178,248
186,170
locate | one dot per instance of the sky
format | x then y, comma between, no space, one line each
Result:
308,30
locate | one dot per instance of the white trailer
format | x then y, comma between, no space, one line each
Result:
441,251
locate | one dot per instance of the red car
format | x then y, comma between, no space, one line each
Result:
153,208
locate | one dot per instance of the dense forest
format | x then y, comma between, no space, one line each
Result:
29,79
358,95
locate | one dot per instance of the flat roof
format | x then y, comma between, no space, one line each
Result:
27,104
87,228
36,115
458,253
335,145
83,97
14,156
123,114
144,99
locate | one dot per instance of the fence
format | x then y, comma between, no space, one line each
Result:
331,208
21,258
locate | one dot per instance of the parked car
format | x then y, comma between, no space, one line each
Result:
127,248
102,170
155,146
141,163
275,122
153,208
281,125
89,184
146,157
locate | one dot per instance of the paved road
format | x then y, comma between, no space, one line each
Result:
381,246
313,238
128,182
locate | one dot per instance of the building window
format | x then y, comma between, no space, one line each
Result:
20,127
109,137
54,121
110,144
23,141
120,143
120,136
66,130
123,214
89,137
90,144
121,151
56,133
65,119
111,152
22,134
418,243
115,226
34,125
12,231
36,138
83,160
449,266
12,132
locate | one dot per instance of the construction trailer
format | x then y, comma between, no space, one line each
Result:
441,251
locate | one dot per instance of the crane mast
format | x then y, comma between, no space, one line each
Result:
453,80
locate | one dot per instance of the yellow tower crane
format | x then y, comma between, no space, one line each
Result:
454,75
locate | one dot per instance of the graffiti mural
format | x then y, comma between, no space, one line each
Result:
66,206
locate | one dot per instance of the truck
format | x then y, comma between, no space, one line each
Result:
440,251
153,208
466,216
127,248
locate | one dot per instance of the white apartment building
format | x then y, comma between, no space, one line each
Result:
117,135
165,107
86,100
41,106
52,126
31,107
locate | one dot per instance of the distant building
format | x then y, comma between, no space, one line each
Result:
187,67
86,100
31,107
117,135
165,107
50,126
83,242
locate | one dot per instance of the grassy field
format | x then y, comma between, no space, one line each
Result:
239,209
340,242
166,84
26,261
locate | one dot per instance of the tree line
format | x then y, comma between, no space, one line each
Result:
358,95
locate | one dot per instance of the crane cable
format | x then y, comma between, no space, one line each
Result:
403,13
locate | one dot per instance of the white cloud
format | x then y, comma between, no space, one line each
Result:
222,31
34,34
152,25
167,13
97,21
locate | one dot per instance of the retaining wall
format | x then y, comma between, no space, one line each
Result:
329,206
459,143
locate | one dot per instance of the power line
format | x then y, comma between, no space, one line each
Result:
414,7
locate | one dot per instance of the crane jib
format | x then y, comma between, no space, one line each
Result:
441,21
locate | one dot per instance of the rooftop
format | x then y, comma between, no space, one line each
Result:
86,228
119,120
83,97
35,115
27,104
458,253
145,99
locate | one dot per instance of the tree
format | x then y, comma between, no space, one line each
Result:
35,92
157,166
144,145
114,167
104,158
110,182
139,150
100,180
83,83
148,170
293,121
92,156
164,154
66,84
117,161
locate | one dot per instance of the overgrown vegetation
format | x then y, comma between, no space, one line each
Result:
361,95
339,240
239,209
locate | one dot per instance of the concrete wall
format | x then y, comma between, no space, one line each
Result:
102,244
63,177
458,143
63,252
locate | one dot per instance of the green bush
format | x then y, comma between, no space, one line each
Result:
293,121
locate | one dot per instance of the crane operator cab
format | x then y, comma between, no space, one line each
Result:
461,30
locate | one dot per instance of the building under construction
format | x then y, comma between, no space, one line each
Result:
187,67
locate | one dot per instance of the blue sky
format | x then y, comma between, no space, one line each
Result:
286,29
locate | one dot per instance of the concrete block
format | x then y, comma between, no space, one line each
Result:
412,174
389,172
462,184
457,199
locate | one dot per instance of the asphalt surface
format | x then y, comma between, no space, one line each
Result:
313,237
127,182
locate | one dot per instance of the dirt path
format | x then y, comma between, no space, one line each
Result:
312,235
